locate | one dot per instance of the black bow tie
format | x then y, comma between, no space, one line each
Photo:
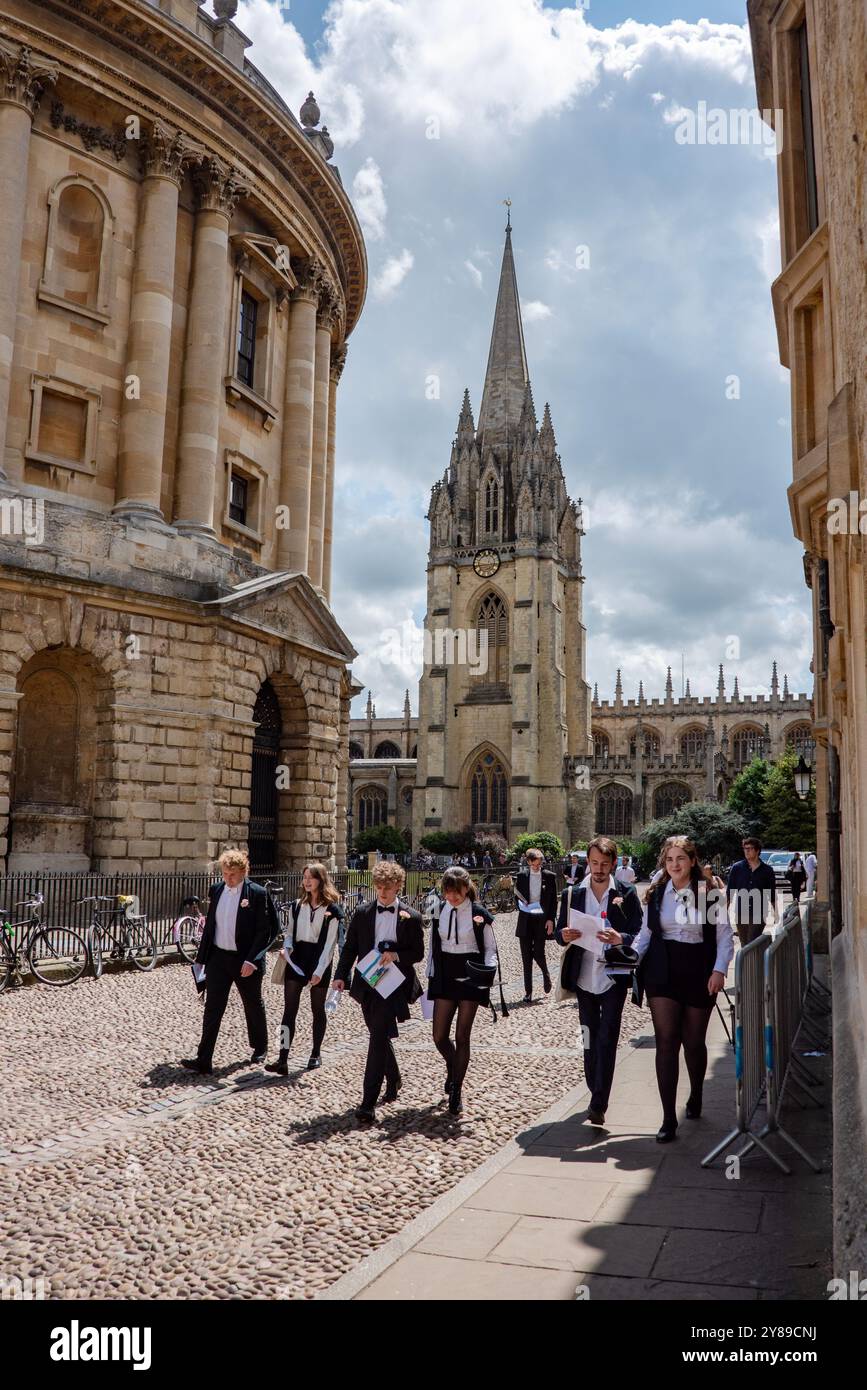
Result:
380,908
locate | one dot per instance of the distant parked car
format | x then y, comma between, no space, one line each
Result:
779,860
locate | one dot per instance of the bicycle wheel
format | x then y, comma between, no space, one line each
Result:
187,937
93,938
7,966
140,946
57,956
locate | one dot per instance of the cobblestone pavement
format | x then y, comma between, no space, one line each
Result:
123,1176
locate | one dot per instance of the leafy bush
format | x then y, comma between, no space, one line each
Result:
550,845
386,838
717,830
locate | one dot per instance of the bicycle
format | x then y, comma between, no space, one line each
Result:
187,930
55,955
122,937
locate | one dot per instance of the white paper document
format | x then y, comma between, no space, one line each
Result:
385,979
588,927
535,908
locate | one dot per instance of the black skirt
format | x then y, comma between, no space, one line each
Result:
452,980
687,976
305,954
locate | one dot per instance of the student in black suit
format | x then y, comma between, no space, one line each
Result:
600,997
396,930
238,927
575,867
535,885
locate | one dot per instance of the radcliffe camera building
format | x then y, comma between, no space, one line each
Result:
180,268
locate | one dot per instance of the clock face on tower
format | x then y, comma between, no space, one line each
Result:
486,563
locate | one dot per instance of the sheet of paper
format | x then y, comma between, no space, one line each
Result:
385,979
289,961
588,926
535,908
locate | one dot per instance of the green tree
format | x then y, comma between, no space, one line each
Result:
549,844
790,823
448,841
747,795
386,838
716,830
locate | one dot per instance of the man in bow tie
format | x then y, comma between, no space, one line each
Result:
396,931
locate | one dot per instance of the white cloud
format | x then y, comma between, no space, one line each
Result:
534,310
657,97
475,273
368,195
393,274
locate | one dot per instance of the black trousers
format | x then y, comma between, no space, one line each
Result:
381,1062
600,1016
221,972
532,942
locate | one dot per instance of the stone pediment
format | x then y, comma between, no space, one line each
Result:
286,605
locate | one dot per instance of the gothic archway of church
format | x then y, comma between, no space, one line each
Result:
800,737
601,746
486,779
386,749
355,751
614,810
693,742
652,743
370,809
669,798
747,743
56,771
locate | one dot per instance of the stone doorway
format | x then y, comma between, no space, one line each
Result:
264,795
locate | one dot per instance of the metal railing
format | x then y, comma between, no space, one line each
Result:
773,983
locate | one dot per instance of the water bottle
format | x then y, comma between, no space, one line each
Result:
331,1003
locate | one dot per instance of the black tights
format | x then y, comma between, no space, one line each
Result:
457,1053
677,1025
292,992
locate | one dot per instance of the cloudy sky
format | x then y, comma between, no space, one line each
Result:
659,357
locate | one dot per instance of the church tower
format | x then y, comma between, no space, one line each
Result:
504,708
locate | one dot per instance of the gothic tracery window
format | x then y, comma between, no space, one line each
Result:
747,744
601,747
489,793
492,506
493,619
386,750
614,811
692,743
372,808
800,737
669,798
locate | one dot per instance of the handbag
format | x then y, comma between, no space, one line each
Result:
279,971
481,975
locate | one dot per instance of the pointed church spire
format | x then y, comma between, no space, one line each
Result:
669,688
407,713
686,694
775,683
785,686
641,692
721,684
506,376
736,694
369,706
595,692
618,687
466,427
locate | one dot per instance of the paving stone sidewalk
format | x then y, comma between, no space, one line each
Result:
565,1205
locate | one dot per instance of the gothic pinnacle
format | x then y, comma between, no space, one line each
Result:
669,688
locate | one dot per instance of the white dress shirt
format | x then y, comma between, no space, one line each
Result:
626,873
592,975
681,921
458,935
227,913
386,922
535,885
308,929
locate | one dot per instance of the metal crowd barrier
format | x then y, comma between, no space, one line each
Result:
772,985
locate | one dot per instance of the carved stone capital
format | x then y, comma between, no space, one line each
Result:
338,362
218,185
330,305
165,152
311,278
24,76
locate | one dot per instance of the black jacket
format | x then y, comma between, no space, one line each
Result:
625,918
255,924
408,943
744,879
547,900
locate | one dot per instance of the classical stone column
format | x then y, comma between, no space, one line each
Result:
338,362
164,154
218,188
325,320
23,78
297,444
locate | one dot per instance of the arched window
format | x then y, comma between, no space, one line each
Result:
489,793
692,743
747,744
614,811
492,506
601,746
386,750
356,750
669,798
651,743
493,619
800,737
47,744
77,268
372,808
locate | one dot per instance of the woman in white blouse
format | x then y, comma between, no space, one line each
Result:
308,948
686,946
461,936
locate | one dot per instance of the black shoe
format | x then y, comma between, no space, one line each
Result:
367,1117
547,984
193,1064
666,1133
257,1059
528,998
596,1117
455,1103
693,1109
315,1061
281,1066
